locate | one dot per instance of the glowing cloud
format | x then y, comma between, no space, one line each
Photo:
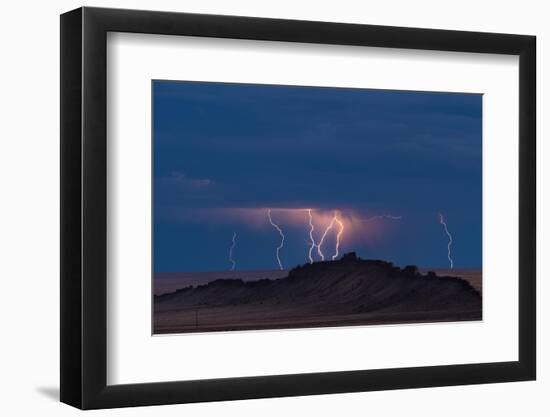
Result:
318,225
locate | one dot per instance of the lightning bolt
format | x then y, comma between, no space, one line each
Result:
338,236
382,216
282,237
233,243
442,222
328,229
319,246
311,229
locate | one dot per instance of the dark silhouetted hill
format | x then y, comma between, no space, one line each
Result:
349,286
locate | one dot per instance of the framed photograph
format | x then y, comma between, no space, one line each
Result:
257,208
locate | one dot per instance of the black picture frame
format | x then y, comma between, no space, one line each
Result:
84,207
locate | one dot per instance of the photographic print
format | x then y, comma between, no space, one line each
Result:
278,207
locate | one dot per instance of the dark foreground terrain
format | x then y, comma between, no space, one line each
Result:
345,292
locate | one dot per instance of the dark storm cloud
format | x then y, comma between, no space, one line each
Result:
236,146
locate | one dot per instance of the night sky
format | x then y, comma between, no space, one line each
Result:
225,153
